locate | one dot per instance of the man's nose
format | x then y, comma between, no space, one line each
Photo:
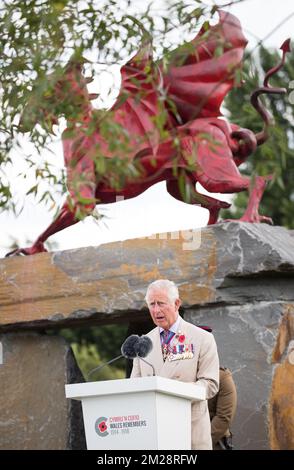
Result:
156,307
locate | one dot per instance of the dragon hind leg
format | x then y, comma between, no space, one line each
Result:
238,184
256,190
83,201
66,217
251,213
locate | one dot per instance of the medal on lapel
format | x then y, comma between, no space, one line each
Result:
181,350
165,352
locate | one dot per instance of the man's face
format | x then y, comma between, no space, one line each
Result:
164,313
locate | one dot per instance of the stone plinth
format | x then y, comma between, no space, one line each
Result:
219,265
34,411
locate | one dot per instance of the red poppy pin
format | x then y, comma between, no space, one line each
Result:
182,338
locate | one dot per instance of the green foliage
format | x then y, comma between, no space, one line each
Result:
88,359
276,156
107,338
97,345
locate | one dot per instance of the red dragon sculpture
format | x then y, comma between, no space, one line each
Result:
193,142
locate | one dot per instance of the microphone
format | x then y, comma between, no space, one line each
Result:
142,348
133,346
127,350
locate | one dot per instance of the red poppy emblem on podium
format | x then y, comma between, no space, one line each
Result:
101,426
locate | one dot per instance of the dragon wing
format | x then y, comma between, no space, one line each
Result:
201,72
137,105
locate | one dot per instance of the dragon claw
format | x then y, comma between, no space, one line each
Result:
266,220
16,252
36,248
253,220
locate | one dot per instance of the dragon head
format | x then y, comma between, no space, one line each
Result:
62,93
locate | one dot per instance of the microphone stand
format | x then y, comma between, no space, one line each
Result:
127,355
102,365
148,363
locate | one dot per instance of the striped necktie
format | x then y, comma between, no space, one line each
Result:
167,336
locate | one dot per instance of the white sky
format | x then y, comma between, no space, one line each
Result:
154,211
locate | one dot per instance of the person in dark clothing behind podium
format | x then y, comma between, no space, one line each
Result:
183,352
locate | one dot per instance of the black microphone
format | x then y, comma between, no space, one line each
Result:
143,347
127,350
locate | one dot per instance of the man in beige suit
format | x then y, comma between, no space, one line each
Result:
181,351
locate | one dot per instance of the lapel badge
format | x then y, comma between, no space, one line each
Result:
180,337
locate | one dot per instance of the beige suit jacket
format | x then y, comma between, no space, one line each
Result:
203,368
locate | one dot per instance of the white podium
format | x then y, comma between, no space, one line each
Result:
141,413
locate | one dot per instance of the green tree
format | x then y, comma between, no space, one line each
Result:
96,345
88,359
107,338
276,155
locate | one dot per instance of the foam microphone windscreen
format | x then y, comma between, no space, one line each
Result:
144,346
128,347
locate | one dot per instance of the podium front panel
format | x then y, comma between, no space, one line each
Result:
149,420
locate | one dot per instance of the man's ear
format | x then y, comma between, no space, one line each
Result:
178,303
